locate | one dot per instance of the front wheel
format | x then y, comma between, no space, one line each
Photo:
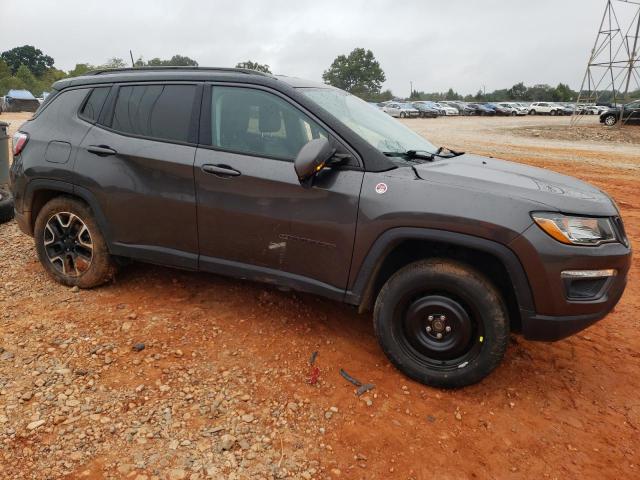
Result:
70,245
532,112
610,120
441,323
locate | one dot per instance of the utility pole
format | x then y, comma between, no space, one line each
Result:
614,61
410,88
132,62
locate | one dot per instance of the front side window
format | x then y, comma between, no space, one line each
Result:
155,111
93,105
256,122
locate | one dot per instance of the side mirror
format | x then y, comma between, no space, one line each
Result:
311,159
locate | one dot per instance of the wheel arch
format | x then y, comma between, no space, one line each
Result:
400,246
40,191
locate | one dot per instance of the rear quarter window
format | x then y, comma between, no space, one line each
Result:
93,105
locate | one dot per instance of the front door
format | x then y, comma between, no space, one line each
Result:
255,220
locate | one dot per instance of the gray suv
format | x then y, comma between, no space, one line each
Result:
301,185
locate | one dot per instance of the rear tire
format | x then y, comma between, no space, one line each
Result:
6,206
70,245
441,323
552,113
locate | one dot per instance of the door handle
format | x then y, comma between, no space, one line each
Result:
101,150
220,170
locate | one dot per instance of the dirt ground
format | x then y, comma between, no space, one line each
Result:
221,388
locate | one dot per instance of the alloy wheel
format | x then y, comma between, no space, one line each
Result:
68,244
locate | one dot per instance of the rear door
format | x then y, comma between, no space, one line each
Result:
255,220
137,163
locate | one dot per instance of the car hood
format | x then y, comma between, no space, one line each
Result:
552,191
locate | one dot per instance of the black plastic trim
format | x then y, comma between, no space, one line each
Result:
389,239
270,276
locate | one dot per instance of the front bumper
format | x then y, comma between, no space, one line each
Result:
558,315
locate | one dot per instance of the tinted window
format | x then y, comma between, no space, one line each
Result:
259,123
94,103
158,111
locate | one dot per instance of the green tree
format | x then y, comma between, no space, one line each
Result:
81,69
358,73
563,93
115,62
518,92
29,56
10,83
5,71
175,61
452,95
26,77
254,66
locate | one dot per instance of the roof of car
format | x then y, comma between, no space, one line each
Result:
183,74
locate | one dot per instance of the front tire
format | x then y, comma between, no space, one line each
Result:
610,120
70,245
441,323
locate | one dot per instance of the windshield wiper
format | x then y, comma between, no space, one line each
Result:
413,155
452,153
424,154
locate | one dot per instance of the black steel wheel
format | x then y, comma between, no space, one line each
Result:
441,323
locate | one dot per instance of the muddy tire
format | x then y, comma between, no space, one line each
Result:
441,323
70,245
6,206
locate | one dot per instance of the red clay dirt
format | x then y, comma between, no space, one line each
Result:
570,409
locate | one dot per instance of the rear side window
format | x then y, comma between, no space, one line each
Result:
156,111
93,105
259,123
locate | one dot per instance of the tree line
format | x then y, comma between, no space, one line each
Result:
28,68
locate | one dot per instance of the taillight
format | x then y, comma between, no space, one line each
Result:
20,139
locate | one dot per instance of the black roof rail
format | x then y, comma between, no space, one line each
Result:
170,68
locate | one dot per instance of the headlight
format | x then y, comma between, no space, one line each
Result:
575,230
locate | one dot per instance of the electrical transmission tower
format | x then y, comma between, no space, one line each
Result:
614,65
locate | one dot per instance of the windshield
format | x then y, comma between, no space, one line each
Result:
376,127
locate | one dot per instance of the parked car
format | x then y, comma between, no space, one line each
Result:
514,108
448,109
482,109
302,185
503,110
549,108
567,108
400,110
425,111
462,108
435,106
630,114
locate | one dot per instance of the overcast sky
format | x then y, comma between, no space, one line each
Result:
435,43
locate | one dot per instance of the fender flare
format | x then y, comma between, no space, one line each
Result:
365,279
63,187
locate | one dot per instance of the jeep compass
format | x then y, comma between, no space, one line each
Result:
304,186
